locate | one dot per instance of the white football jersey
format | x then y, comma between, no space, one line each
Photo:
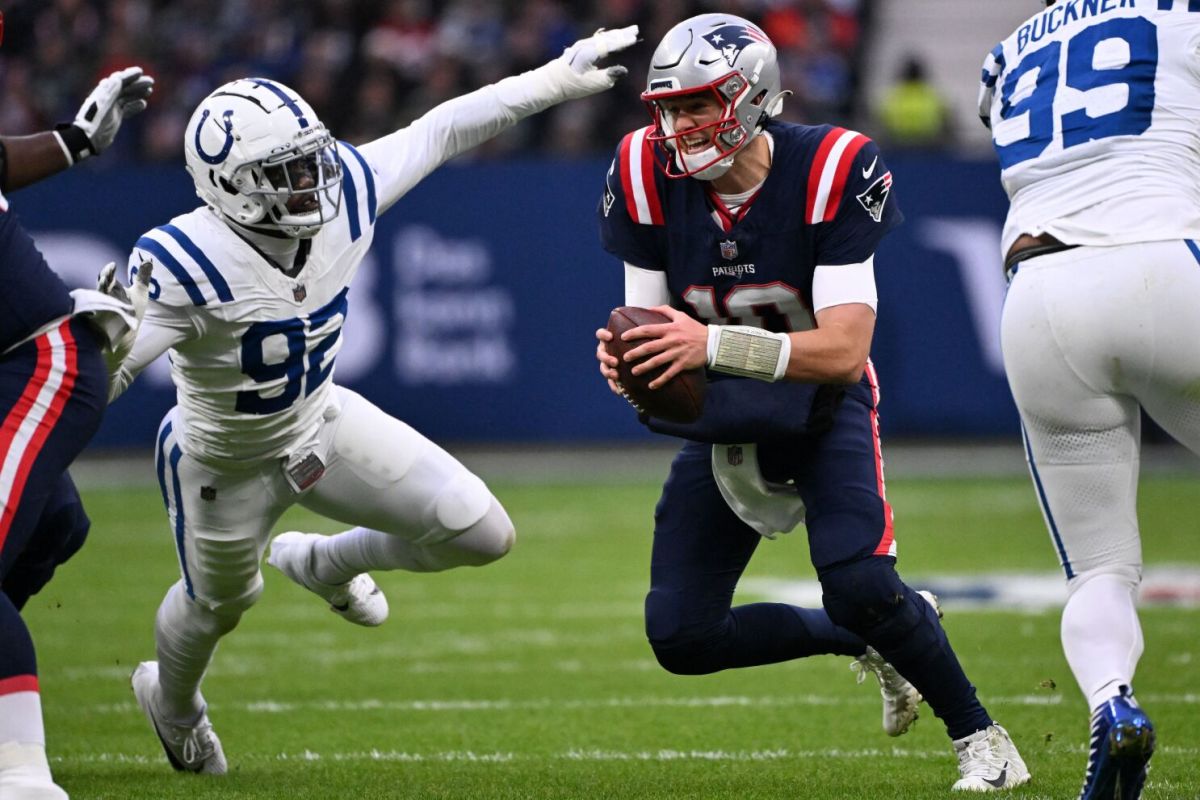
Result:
252,350
1094,107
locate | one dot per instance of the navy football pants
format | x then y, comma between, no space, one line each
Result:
53,391
701,548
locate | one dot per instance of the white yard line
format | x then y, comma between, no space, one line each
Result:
573,754
277,706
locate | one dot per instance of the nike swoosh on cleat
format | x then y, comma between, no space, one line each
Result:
342,607
998,781
868,171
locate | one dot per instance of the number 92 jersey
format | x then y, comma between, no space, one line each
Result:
252,350
1094,107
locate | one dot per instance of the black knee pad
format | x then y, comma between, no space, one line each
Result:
865,594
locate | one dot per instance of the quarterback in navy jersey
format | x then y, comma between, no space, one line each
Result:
757,238
56,349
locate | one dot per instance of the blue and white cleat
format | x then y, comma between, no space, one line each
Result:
1120,749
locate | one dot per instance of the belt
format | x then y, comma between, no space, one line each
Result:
1028,246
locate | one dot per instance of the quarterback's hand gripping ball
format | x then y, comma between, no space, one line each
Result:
680,399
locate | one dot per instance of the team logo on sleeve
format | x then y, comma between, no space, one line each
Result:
609,198
876,195
730,40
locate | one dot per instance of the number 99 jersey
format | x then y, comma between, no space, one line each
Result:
1094,107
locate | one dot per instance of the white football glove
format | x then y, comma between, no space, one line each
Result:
585,78
134,298
122,94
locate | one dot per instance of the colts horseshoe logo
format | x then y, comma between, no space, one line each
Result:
224,151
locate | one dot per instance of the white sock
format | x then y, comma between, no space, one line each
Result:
186,636
27,760
1101,636
21,718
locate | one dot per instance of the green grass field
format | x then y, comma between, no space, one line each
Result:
531,678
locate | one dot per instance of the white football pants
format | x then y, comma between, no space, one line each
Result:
379,474
1090,335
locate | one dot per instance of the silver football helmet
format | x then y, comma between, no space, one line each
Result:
734,60
259,155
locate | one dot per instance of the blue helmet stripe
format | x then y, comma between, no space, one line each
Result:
282,95
210,270
169,261
372,203
351,192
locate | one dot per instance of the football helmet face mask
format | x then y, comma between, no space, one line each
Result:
717,56
259,155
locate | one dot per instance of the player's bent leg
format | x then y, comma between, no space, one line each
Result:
60,532
901,700
868,597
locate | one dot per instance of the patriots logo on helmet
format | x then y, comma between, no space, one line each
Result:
730,40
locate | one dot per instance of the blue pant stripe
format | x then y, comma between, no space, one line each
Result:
1041,492
161,459
1195,250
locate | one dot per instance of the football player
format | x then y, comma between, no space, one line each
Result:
757,238
1093,113
249,296
56,349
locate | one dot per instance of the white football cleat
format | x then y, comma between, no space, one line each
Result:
900,698
189,747
358,600
988,761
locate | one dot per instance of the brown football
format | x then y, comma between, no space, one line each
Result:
681,399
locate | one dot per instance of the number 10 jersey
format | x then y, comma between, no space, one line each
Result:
1094,107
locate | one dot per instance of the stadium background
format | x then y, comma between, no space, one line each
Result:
472,319
485,283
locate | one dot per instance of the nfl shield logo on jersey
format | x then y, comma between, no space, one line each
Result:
299,292
729,249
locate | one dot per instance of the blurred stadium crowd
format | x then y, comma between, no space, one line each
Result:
371,66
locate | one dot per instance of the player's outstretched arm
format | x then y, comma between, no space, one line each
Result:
29,159
403,158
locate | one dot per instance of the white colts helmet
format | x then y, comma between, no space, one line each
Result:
734,60
259,156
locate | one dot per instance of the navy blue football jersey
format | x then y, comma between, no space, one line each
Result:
826,201
33,294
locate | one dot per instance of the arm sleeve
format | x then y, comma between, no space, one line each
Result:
645,287
402,159
865,211
164,326
845,283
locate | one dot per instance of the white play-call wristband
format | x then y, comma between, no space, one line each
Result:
749,352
